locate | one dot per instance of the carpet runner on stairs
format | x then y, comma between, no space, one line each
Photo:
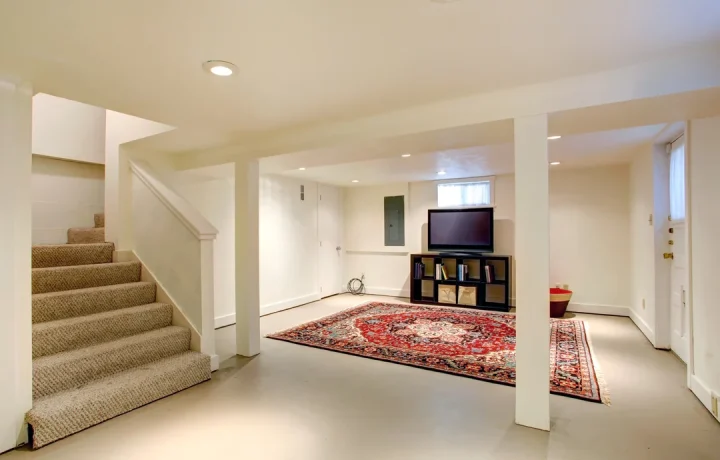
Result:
102,345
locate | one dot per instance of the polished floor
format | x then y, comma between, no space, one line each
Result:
294,402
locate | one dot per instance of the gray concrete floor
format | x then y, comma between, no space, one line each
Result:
295,402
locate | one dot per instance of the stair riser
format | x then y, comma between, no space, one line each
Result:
85,235
49,339
83,276
51,377
54,420
70,304
66,255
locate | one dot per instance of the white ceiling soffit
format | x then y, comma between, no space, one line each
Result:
319,61
580,150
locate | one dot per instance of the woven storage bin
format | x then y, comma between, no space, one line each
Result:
559,300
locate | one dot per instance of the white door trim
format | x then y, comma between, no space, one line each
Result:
688,258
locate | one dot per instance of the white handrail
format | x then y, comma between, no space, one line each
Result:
184,211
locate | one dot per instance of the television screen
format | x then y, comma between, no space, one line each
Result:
460,229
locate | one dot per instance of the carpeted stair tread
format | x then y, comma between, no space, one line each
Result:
63,255
84,331
86,235
65,413
55,279
53,306
99,220
72,369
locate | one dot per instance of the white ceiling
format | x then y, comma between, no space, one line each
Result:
311,61
579,150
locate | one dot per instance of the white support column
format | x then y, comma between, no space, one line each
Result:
532,273
247,257
15,265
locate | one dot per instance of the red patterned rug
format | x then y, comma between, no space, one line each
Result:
471,343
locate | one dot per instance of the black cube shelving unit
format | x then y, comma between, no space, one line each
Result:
492,294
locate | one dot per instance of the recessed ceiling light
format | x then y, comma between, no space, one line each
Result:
552,138
555,163
301,169
355,181
405,155
220,68
441,173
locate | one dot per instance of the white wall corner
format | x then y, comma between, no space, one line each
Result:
643,326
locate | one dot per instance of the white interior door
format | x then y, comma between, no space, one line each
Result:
679,342
330,234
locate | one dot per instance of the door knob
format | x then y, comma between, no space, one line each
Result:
668,255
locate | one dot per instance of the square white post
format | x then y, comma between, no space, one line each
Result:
15,263
532,273
247,257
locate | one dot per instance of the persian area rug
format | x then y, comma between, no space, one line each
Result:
471,343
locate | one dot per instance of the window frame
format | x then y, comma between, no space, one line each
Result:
490,179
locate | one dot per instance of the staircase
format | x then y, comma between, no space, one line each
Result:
102,345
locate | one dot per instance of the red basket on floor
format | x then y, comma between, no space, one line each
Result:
559,300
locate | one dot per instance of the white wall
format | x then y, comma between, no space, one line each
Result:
121,128
704,226
68,129
214,198
289,247
642,245
168,249
65,194
589,219
385,268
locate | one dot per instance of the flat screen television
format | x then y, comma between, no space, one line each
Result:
461,230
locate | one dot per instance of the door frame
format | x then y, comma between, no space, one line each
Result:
663,310
688,257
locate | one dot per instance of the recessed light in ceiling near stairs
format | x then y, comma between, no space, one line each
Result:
220,68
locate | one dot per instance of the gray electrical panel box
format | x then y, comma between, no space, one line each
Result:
394,221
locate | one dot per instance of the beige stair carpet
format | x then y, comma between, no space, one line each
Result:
86,235
102,345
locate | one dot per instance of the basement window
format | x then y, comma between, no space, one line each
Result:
677,180
467,193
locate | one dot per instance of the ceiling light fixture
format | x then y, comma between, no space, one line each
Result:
552,138
554,163
441,173
301,169
355,181
405,155
220,68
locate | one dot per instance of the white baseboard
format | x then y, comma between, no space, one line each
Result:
393,292
228,320
703,393
290,303
225,320
643,326
598,309
214,363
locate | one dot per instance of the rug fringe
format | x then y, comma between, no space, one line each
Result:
602,384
